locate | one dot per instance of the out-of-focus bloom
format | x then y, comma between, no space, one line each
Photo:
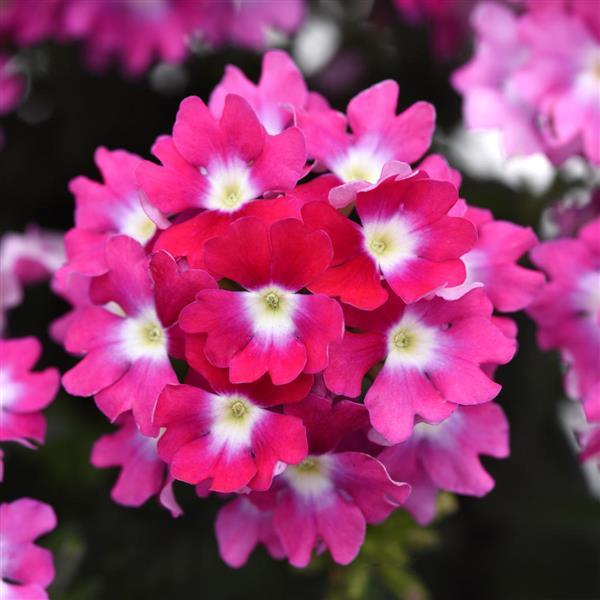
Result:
446,456
567,311
248,23
137,32
143,474
535,77
566,216
26,258
31,21
23,392
25,568
12,85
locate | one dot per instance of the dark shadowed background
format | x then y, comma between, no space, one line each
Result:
536,536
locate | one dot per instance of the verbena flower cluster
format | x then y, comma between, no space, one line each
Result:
137,32
567,312
25,569
282,310
535,76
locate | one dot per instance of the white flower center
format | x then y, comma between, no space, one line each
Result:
10,390
235,417
360,163
411,343
311,477
134,222
144,336
230,186
271,311
389,243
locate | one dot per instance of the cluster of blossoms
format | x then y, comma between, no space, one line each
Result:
567,312
139,31
535,76
284,311
25,569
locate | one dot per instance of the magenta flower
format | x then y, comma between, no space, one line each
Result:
221,164
406,238
26,258
268,327
378,136
136,33
446,456
105,209
326,500
567,311
23,392
246,23
25,568
143,474
432,352
535,77
280,89
126,344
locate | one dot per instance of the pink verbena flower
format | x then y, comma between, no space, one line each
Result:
143,474
247,23
25,568
535,77
432,352
280,89
30,22
12,84
567,311
406,238
26,258
104,209
268,327
221,164
24,393
127,343
325,501
561,77
136,32
227,435
445,456
492,263
378,136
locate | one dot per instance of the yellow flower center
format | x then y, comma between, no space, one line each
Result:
272,300
154,334
238,409
378,246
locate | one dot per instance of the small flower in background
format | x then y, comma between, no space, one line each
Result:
23,392
25,568
567,313
535,76
26,258
138,33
